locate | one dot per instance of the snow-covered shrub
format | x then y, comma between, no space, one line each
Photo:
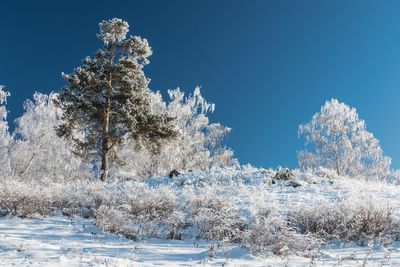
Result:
37,152
111,219
263,234
78,197
151,204
271,233
175,211
24,199
155,211
140,209
354,219
337,139
216,215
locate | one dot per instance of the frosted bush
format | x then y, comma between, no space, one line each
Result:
216,216
78,198
111,219
151,204
270,232
176,212
154,210
354,219
24,199
27,198
137,208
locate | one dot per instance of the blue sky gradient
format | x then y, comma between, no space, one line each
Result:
267,65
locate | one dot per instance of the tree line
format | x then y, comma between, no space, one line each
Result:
107,118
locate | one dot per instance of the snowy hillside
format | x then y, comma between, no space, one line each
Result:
106,171
247,217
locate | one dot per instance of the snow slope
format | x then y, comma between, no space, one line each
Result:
57,240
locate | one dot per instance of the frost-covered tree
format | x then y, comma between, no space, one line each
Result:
37,152
336,138
198,145
5,137
108,98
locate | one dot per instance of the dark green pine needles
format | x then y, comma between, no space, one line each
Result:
107,98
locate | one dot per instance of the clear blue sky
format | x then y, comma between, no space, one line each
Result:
267,65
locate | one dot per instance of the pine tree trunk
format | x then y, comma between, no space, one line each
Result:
106,123
105,147
104,167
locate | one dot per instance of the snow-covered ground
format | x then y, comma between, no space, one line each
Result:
57,240
60,241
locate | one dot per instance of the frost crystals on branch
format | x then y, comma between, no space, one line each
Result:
337,139
108,98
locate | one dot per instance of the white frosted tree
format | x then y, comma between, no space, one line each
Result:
336,138
5,137
37,152
198,145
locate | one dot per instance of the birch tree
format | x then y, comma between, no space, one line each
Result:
36,151
336,138
198,145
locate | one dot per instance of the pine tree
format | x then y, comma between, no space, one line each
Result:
108,98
